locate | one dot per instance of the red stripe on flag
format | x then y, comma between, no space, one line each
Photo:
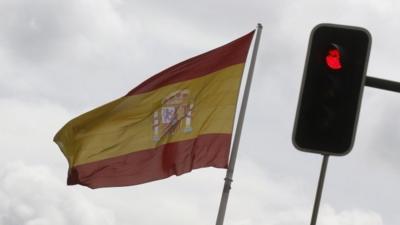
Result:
230,54
211,150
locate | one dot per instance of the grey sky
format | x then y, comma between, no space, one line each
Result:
61,58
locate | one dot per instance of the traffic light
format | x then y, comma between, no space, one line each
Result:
331,91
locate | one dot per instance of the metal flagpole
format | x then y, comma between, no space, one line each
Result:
236,140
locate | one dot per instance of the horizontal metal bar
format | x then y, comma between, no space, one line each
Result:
382,84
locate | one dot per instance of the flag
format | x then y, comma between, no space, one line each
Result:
176,121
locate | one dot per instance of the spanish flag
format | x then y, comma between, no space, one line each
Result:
176,121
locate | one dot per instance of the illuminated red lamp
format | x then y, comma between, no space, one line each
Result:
333,59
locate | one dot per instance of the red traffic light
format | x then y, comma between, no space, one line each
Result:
332,59
331,89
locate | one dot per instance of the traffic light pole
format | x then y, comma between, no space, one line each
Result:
319,190
382,84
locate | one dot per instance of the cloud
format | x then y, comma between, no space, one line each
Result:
38,31
32,195
352,217
27,130
57,50
379,128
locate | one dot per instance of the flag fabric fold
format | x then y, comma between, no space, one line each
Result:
176,121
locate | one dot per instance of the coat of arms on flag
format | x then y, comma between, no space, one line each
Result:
175,115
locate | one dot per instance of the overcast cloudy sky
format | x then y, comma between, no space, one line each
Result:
61,58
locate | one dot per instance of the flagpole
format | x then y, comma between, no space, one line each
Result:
236,140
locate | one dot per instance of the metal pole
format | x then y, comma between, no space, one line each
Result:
319,190
382,84
236,140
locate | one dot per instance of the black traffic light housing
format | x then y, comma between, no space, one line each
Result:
331,90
